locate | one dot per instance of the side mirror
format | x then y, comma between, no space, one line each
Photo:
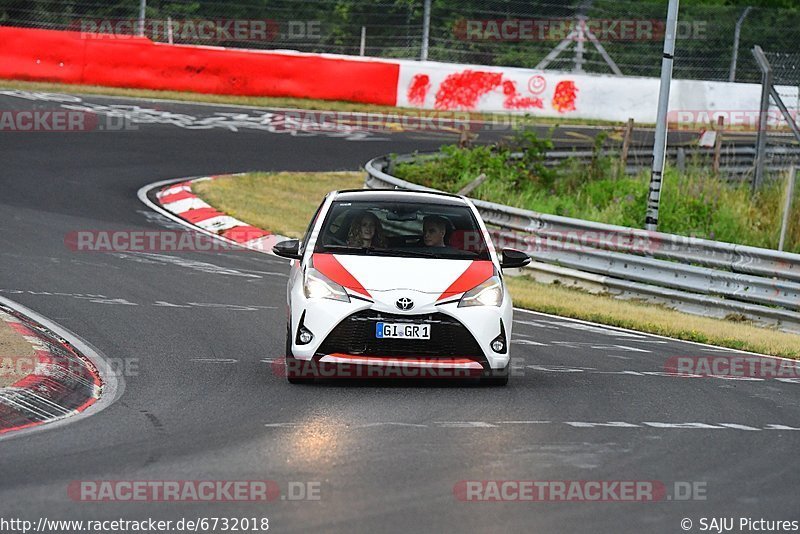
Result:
512,258
288,249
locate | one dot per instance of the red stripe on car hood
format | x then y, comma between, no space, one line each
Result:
328,265
477,272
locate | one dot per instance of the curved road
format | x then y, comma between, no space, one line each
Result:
194,333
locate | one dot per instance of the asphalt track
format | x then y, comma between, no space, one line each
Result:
196,332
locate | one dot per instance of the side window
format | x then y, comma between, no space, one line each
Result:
307,235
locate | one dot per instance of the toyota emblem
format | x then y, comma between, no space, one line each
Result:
404,303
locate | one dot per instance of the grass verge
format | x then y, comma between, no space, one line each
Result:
272,102
285,202
282,202
14,350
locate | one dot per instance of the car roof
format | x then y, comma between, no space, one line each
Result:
399,195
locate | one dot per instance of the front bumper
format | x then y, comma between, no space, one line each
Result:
347,331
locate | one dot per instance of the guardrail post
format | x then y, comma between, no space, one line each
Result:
787,207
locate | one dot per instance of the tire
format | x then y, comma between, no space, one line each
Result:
294,373
496,377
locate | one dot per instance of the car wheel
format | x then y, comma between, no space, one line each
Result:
296,370
496,377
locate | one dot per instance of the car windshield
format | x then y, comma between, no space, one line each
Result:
402,229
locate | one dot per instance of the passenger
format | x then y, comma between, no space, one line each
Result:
434,228
366,231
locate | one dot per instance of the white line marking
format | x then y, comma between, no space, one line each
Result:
681,425
465,424
582,425
591,328
632,349
647,334
535,323
612,424
523,422
389,423
738,426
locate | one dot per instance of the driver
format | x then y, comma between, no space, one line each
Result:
366,231
434,228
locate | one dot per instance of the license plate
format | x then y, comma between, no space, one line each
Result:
402,331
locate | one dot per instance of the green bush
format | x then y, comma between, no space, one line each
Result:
693,202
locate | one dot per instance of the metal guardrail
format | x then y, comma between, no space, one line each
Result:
702,275
736,160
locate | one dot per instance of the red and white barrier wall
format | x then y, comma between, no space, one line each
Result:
73,57
445,86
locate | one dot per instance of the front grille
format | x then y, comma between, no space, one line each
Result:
356,335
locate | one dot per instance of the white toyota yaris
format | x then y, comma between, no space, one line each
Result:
398,280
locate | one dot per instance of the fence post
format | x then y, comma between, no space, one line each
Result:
718,144
363,41
579,48
736,34
787,206
140,22
426,30
761,140
660,142
626,144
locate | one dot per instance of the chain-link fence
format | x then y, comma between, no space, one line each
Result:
518,33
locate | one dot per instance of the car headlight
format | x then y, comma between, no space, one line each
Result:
488,293
318,286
